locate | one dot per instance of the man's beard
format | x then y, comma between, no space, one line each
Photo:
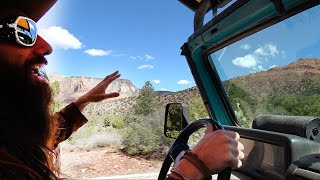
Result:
24,105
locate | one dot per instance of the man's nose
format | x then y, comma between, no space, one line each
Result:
42,47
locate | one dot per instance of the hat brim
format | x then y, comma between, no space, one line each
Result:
34,9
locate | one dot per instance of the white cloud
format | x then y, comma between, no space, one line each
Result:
98,52
260,68
60,38
272,66
136,57
118,55
184,82
146,57
133,57
163,89
267,50
248,61
156,81
255,60
146,66
245,47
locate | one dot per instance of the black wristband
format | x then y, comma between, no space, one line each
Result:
193,158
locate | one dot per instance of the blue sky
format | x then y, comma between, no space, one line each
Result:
141,39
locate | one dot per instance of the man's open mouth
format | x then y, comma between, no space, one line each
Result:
37,70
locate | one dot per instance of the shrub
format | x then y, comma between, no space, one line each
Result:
144,134
140,140
108,138
97,132
118,123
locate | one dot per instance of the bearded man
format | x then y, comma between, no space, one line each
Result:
29,131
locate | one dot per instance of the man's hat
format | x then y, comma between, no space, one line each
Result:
34,9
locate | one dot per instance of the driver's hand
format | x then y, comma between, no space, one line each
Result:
220,149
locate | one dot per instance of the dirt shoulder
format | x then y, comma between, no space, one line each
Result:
77,163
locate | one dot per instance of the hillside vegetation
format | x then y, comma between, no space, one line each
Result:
286,90
134,123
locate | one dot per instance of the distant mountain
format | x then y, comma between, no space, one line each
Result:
161,93
253,94
252,91
182,96
73,87
261,84
278,79
120,106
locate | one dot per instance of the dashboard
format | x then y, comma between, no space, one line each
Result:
277,156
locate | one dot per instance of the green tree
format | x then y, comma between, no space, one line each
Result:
298,105
146,101
143,134
197,109
55,86
174,120
311,86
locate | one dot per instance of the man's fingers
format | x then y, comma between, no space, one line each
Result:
239,164
113,94
98,98
108,80
232,134
236,156
241,155
240,146
110,75
110,95
236,162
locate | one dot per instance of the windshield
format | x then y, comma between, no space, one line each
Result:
275,71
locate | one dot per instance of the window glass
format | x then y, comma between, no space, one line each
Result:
275,71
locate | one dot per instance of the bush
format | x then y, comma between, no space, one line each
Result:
97,132
144,134
118,123
197,108
139,140
80,139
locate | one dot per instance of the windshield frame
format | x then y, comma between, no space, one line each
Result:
209,39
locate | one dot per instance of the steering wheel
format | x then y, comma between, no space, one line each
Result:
180,144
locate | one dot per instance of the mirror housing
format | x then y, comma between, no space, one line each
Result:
176,119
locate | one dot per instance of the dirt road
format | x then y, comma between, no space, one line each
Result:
98,162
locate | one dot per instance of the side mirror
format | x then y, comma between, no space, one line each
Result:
176,119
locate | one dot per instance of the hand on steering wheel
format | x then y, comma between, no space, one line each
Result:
220,146
219,150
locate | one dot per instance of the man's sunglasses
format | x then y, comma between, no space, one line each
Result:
23,30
